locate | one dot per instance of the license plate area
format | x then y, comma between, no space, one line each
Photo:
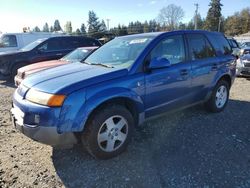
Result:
18,115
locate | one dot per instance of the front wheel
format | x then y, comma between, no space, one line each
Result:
219,97
108,132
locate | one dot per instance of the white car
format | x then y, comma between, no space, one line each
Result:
16,41
243,65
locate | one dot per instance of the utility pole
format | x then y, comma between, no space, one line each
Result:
108,20
196,16
219,25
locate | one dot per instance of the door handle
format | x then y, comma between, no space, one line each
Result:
184,72
59,54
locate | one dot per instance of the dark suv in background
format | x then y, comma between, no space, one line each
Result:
41,50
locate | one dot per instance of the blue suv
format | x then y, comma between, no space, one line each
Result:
98,102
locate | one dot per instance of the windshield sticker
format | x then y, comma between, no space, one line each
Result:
138,41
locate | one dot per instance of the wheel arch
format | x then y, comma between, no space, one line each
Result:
128,103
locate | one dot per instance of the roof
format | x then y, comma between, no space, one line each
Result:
155,34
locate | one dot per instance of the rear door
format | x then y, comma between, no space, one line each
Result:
204,62
168,88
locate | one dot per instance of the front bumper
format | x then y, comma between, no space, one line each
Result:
243,71
41,124
45,135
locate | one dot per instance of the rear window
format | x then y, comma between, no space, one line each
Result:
199,47
233,43
220,44
8,41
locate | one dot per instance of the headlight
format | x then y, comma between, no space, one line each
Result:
46,99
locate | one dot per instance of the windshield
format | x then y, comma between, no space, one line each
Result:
32,45
246,44
119,52
77,55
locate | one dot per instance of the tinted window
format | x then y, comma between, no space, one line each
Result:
51,45
199,47
171,48
233,43
75,43
32,45
8,41
220,44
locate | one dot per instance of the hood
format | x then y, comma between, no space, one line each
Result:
30,69
70,77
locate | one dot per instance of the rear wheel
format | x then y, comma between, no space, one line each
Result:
108,132
219,97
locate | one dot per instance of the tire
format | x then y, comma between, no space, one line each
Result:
108,132
14,71
219,97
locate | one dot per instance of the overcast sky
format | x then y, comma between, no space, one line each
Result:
16,14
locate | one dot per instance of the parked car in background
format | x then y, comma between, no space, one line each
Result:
16,41
234,45
244,51
42,50
78,54
245,45
243,65
123,83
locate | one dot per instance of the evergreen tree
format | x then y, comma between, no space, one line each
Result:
51,29
213,16
93,25
36,29
83,29
68,27
146,28
78,32
182,26
57,26
103,27
46,27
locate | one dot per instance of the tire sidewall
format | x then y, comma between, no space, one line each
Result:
213,101
90,137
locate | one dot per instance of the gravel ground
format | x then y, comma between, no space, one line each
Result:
189,148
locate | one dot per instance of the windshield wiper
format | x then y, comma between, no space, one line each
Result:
104,65
99,64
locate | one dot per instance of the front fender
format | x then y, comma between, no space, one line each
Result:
78,107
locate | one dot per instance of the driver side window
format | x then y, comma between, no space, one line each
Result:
171,48
51,45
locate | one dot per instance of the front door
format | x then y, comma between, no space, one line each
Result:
50,50
168,88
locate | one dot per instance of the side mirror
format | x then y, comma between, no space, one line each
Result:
158,63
